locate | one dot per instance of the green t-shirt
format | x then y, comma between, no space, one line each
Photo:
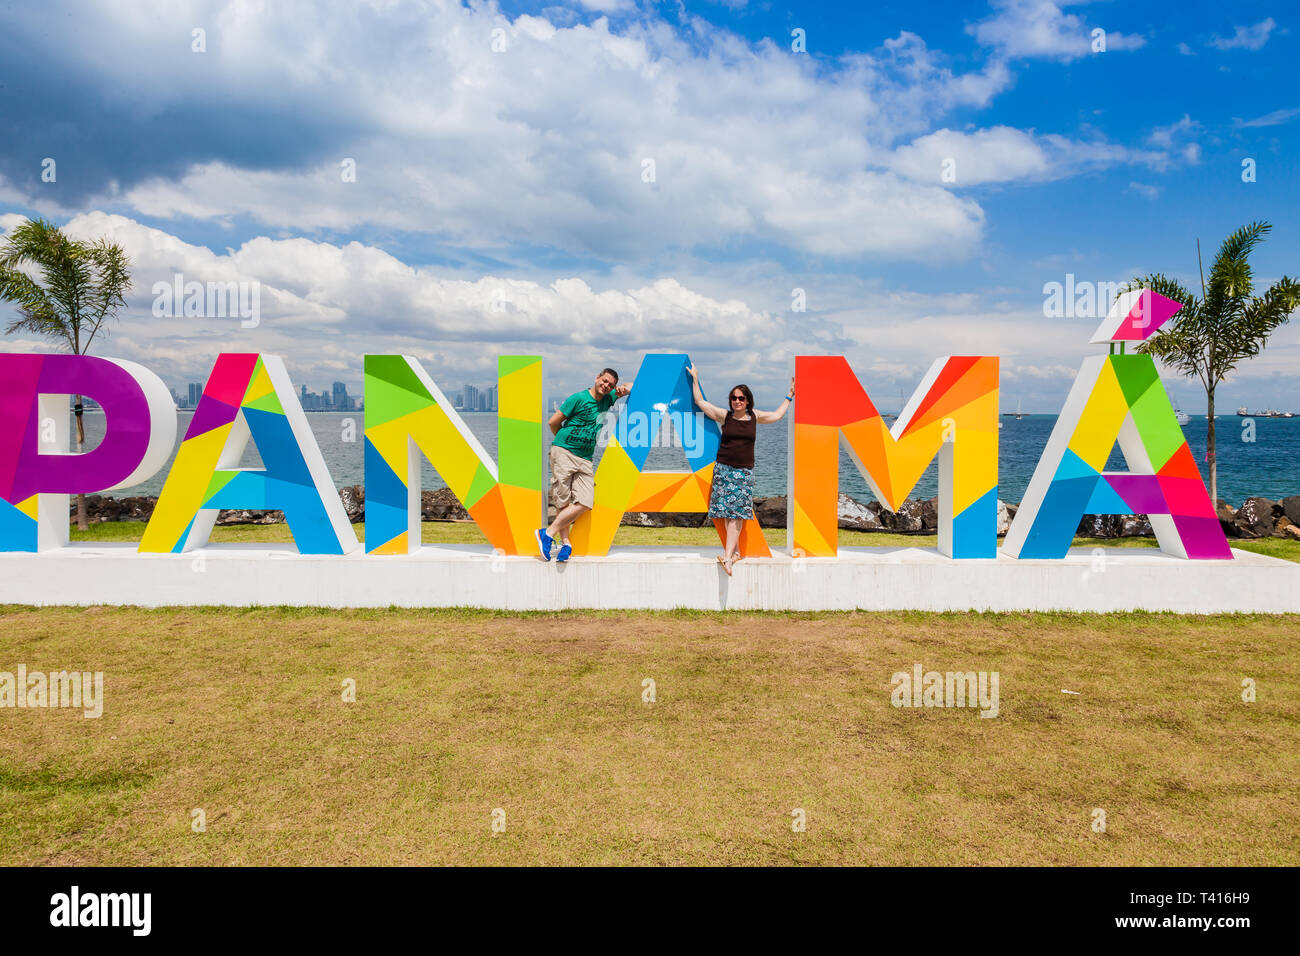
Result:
581,426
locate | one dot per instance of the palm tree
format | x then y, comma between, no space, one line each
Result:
1210,335
81,285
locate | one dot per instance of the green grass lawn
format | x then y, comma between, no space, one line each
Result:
466,532
239,713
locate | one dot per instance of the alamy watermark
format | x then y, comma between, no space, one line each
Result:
75,908
209,300
1079,300
78,689
923,688
632,429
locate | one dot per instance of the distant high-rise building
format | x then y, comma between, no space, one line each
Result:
302,396
195,391
492,399
340,397
471,398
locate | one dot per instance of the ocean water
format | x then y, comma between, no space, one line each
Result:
1268,466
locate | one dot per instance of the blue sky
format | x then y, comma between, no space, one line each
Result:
921,171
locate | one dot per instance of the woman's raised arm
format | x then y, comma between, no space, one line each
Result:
767,418
719,415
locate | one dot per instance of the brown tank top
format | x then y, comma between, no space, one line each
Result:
737,448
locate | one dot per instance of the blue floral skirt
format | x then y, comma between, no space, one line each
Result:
732,494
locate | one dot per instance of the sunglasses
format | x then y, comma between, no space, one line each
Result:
737,398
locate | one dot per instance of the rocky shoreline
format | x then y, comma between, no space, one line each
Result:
1256,518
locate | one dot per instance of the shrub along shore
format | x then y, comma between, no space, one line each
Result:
1256,518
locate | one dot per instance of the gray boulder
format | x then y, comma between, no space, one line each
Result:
907,519
1256,517
770,512
250,516
441,505
106,508
1291,508
665,519
353,498
930,514
1227,516
853,515
1135,526
1098,526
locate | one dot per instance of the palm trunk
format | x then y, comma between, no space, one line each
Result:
1209,451
83,522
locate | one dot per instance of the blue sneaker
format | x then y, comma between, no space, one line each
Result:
544,542
565,551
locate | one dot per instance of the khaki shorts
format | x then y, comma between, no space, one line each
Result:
572,480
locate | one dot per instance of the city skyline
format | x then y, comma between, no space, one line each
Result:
485,398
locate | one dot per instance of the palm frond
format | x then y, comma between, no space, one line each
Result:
61,288
1210,338
1178,343
1231,280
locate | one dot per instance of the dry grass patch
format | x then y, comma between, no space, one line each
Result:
239,712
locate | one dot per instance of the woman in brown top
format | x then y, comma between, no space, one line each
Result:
732,496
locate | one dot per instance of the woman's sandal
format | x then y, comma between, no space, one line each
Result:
725,566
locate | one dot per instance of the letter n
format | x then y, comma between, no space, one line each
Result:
1117,397
407,416
249,395
953,415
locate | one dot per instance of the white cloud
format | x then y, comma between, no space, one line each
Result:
1245,38
989,155
544,144
1040,28
324,305
607,6
1174,138
1185,50
9,220
1275,118
1165,135
1005,154
1145,190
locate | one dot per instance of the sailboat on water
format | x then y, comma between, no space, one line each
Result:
1182,416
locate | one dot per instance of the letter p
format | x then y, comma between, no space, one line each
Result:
37,470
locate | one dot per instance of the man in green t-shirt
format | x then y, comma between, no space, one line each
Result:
576,426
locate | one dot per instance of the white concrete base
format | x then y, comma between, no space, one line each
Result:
1117,579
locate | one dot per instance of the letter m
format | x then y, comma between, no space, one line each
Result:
952,416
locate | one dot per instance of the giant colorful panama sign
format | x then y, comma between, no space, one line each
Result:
952,417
